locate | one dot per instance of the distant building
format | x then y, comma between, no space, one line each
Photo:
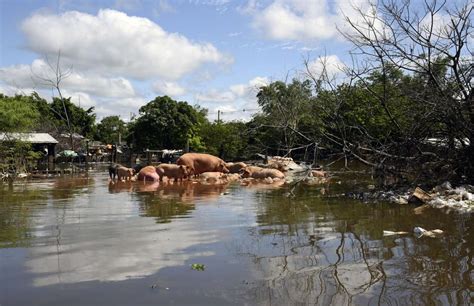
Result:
74,136
39,141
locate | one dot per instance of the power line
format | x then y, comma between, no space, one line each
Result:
236,111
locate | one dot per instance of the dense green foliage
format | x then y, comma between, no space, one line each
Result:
286,110
33,114
110,129
165,123
226,140
386,117
18,113
81,120
406,107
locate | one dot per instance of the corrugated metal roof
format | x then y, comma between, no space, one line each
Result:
74,135
29,137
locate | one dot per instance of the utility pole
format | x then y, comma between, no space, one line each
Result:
87,155
218,116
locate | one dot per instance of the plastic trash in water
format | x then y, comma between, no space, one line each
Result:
419,232
391,233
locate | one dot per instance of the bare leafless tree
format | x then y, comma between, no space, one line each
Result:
431,41
53,78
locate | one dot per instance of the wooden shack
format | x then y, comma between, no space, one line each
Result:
43,142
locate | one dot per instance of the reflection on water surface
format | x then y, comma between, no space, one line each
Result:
86,240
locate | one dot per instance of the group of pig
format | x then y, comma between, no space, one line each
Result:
190,165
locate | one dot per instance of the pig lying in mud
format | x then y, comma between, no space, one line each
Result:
267,183
235,167
212,178
250,169
172,171
261,173
217,177
199,163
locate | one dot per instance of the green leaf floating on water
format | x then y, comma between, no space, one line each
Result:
198,267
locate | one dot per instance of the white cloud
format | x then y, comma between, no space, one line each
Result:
303,20
81,99
221,6
9,90
369,25
234,34
107,87
332,64
215,96
238,102
122,107
227,108
234,92
163,6
24,76
441,24
251,88
210,2
113,43
251,7
109,96
171,89
295,20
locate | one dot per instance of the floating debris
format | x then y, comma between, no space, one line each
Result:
391,233
198,267
401,200
155,286
460,199
419,196
421,209
420,232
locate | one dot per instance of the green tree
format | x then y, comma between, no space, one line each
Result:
17,114
109,129
227,140
436,97
263,137
165,123
81,120
285,109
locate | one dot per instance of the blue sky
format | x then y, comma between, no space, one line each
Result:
123,53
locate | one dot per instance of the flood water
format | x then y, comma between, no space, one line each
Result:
84,241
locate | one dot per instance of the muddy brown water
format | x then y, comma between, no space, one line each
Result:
85,241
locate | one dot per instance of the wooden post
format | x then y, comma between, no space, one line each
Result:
114,153
315,154
87,155
51,155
